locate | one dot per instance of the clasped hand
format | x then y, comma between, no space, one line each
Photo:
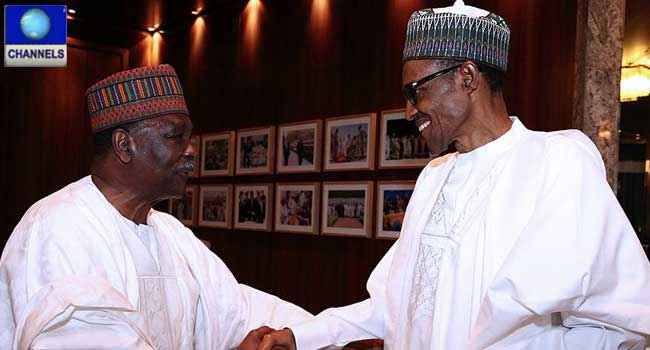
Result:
267,338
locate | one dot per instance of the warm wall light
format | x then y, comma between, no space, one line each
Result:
635,82
197,11
197,33
252,23
320,16
156,40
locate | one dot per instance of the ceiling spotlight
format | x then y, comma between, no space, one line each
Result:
161,31
151,29
72,11
197,11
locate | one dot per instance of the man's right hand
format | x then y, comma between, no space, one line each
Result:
254,338
282,339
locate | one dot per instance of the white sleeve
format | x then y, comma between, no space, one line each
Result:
263,309
363,320
578,256
56,319
229,310
56,297
579,334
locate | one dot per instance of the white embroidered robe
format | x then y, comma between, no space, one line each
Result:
69,280
496,242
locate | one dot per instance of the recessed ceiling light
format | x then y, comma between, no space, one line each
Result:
197,11
72,11
151,29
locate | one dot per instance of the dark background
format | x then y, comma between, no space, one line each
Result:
297,69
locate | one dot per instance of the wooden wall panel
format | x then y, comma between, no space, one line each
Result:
47,143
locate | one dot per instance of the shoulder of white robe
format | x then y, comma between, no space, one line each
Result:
161,218
52,217
582,142
435,162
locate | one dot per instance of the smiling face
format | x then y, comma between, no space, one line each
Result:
163,156
442,104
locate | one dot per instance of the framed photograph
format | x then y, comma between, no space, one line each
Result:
400,142
184,209
296,207
392,199
195,140
347,208
215,206
299,147
350,142
218,154
253,205
255,150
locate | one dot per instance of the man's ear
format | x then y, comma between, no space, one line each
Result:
470,76
123,146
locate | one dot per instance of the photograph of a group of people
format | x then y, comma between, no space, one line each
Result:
349,143
346,208
404,142
216,154
183,208
252,206
401,145
296,208
254,151
298,148
393,197
214,206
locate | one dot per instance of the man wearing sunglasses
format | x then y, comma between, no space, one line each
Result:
515,241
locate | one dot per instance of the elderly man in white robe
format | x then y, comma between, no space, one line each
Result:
514,242
93,266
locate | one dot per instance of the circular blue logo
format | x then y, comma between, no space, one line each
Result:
35,24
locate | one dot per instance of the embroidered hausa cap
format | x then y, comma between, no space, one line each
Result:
458,32
136,94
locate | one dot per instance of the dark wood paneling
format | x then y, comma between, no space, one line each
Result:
47,142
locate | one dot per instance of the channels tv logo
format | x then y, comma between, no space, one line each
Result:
35,36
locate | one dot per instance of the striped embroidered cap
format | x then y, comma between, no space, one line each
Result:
458,32
133,95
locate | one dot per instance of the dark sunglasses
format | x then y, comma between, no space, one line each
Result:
410,90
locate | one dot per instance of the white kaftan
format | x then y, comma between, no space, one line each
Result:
493,243
75,274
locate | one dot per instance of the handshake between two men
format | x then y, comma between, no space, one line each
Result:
267,338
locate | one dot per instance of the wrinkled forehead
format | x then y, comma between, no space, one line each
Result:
180,122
